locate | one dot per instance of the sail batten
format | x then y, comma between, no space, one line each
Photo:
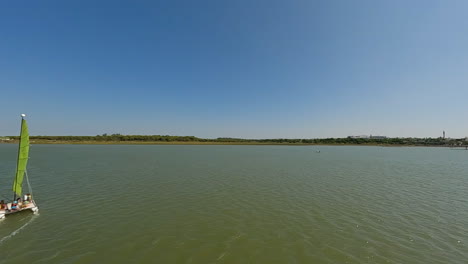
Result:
23,155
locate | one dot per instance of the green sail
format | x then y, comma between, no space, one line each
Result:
23,155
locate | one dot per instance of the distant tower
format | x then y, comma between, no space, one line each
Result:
444,135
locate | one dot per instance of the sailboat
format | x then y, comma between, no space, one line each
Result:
27,203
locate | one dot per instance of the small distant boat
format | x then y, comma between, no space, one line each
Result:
27,203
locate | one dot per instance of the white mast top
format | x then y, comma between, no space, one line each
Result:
23,115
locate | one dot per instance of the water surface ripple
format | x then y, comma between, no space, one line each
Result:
239,204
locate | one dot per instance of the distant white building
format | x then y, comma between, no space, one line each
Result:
361,136
5,138
378,137
368,137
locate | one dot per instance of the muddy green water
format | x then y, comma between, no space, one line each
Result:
239,204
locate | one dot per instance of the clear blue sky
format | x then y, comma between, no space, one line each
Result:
251,69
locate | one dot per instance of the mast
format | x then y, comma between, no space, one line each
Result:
18,160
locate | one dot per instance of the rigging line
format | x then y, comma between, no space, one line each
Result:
29,185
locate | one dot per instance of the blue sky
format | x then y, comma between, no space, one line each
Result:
251,69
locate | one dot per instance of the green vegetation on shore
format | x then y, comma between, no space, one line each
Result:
158,139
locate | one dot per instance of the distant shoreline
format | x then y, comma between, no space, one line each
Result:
118,139
49,142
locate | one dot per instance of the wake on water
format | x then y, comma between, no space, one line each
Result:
3,239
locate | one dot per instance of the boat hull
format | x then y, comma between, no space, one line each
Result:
27,207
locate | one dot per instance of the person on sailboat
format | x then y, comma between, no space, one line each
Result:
14,205
2,205
27,198
19,202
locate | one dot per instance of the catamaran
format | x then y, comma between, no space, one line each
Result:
27,203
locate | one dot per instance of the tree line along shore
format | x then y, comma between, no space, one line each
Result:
160,139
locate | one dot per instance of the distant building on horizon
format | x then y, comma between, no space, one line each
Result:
361,136
378,137
369,137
